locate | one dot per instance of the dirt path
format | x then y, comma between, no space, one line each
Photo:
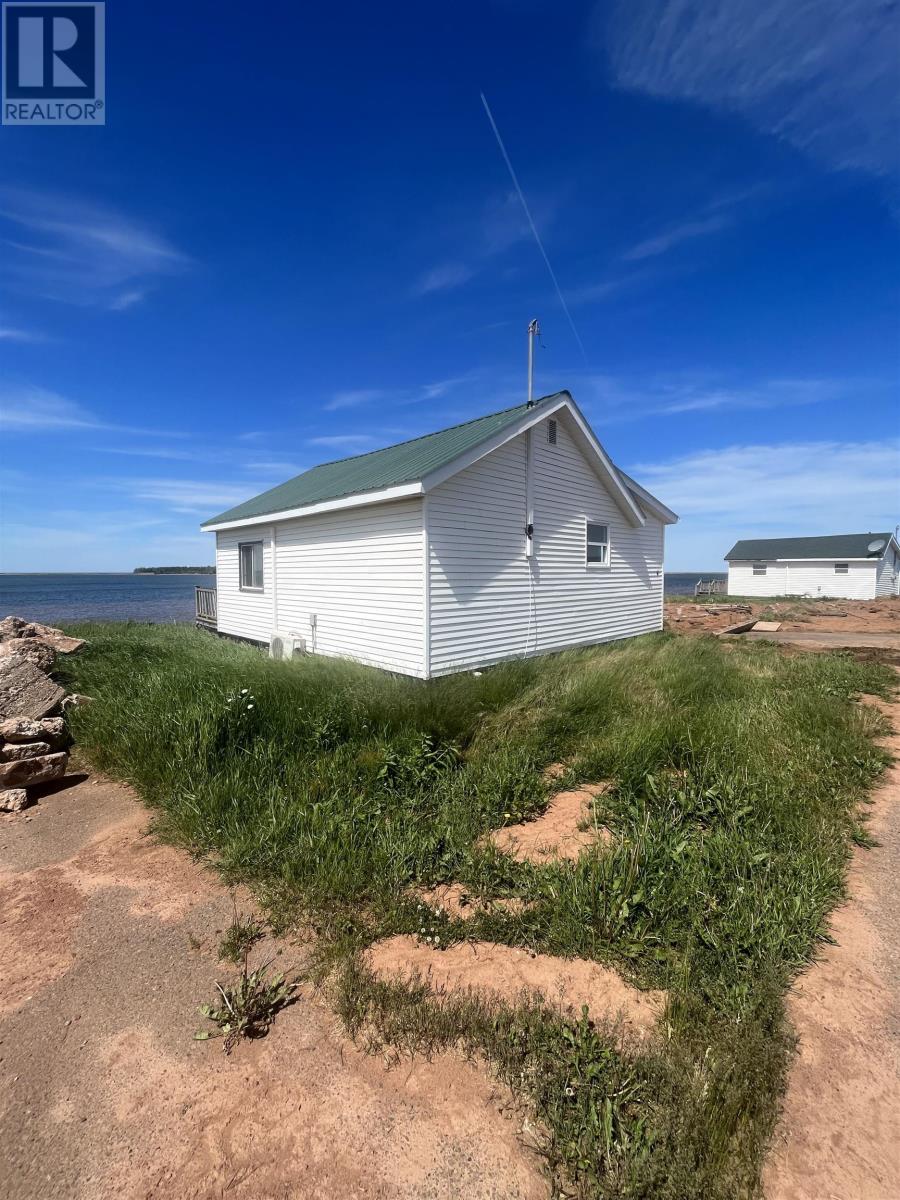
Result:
108,942
842,617
840,1133
827,640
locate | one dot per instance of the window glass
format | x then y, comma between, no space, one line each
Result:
842,568
251,565
759,568
597,543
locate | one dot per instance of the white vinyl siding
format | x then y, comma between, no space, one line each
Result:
242,613
801,578
744,579
361,574
888,577
488,601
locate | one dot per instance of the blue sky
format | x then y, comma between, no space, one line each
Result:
295,239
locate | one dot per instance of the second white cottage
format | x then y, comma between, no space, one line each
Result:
510,535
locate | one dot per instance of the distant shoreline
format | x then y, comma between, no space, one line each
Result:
111,574
174,571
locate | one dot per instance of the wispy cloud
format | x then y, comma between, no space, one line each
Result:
175,454
603,289
443,277
275,467
499,227
30,409
127,300
822,76
20,335
674,236
107,540
343,439
353,398
27,409
780,489
357,397
67,249
615,399
187,495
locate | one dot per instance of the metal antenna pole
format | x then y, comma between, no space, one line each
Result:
533,330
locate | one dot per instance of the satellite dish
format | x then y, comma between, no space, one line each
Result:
876,546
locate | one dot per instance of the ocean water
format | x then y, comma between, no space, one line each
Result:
55,599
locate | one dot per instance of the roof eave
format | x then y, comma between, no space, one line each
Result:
659,509
628,496
399,491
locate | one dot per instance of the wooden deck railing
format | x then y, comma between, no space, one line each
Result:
711,587
205,607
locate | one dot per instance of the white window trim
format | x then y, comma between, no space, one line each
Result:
262,553
598,566
842,568
755,569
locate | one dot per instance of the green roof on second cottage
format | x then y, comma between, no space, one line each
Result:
838,545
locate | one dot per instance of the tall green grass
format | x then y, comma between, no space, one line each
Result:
739,775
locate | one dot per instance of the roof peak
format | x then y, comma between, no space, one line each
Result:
385,466
501,412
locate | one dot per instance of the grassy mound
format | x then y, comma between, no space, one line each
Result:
739,775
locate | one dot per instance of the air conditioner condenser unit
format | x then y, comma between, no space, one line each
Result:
283,645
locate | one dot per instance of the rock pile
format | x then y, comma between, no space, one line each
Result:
33,739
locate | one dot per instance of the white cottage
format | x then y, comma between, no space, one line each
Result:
510,535
853,566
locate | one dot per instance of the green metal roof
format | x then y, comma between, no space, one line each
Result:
840,545
403,463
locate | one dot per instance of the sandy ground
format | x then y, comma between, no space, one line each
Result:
880,616
564,830
839,1137
825,639
507,972
108,942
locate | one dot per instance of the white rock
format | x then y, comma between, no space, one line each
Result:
15,751
30,771
13,799
24,729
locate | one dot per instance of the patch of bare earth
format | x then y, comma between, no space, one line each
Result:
460,904
507,973
567,828
839,1137
108,942
803,616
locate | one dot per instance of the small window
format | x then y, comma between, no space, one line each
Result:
551,432
251,560
842,568
598,544
759,568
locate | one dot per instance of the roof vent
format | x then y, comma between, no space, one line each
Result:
551,432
